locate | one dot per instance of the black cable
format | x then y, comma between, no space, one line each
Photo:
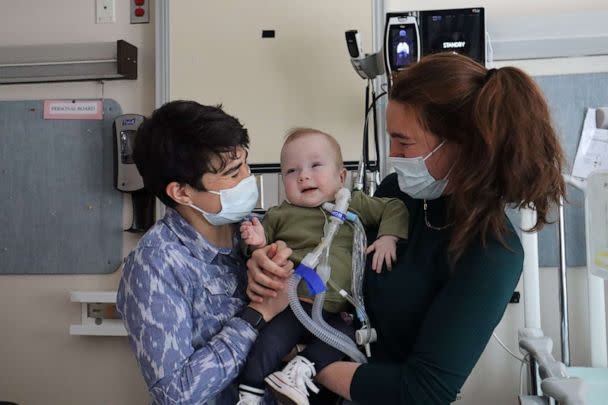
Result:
364,164
365,151
374,114
376,99
365,127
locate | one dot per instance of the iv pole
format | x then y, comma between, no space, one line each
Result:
371,68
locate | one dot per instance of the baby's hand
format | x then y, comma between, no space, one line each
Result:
385,251
252,233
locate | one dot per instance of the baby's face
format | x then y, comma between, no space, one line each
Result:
310,171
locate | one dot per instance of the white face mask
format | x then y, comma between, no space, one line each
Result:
414,177
237,202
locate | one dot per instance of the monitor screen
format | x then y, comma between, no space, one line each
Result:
458,30
403,45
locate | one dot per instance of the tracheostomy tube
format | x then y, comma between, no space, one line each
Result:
317,280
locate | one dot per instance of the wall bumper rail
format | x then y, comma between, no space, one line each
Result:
68,62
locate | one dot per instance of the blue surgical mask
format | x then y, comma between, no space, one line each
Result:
414,177
237,203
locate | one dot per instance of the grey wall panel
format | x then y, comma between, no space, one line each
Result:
60,213
569,96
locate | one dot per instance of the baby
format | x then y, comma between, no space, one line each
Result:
313,172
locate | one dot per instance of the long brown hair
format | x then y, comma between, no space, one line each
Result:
509,152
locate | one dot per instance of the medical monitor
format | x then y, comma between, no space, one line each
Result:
403,45
455,30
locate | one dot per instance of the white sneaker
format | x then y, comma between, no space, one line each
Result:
249,395
290,385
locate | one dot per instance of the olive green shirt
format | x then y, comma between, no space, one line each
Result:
302,228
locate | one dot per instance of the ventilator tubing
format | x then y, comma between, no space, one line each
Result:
317,325
321,329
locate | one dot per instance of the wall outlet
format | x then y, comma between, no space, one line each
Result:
105,11
140,11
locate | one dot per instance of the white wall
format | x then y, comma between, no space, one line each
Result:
300,78
40,363
500,8
501,13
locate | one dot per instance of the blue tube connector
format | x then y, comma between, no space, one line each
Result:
351,216
312,279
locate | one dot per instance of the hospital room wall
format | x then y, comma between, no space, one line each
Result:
40,363
501,8
495,378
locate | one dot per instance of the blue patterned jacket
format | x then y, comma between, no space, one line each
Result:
178,297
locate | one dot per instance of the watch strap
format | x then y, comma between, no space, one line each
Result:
253,317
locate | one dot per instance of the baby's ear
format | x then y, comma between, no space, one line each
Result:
342,176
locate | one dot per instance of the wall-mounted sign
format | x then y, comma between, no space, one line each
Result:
73,109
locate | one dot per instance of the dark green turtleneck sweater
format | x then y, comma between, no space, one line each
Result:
433,323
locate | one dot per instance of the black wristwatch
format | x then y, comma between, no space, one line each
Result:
252,316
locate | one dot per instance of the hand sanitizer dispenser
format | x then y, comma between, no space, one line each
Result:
126,176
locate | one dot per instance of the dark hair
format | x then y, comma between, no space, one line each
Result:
509,153
179,141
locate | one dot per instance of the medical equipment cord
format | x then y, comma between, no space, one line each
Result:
319,259
358,266
525,360
364,163
321,330
365,151
372,108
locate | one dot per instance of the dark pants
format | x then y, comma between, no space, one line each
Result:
280,336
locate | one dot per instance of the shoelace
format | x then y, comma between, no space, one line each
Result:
311,386
248,398
302,376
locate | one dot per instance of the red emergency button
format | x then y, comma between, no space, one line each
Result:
139,2
139,12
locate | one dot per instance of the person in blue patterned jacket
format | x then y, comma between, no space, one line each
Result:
182,292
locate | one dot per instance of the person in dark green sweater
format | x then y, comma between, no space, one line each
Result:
466,143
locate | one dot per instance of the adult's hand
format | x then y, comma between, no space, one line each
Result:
271,306
268,270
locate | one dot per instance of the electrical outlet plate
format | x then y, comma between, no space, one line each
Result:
105,11
143,19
